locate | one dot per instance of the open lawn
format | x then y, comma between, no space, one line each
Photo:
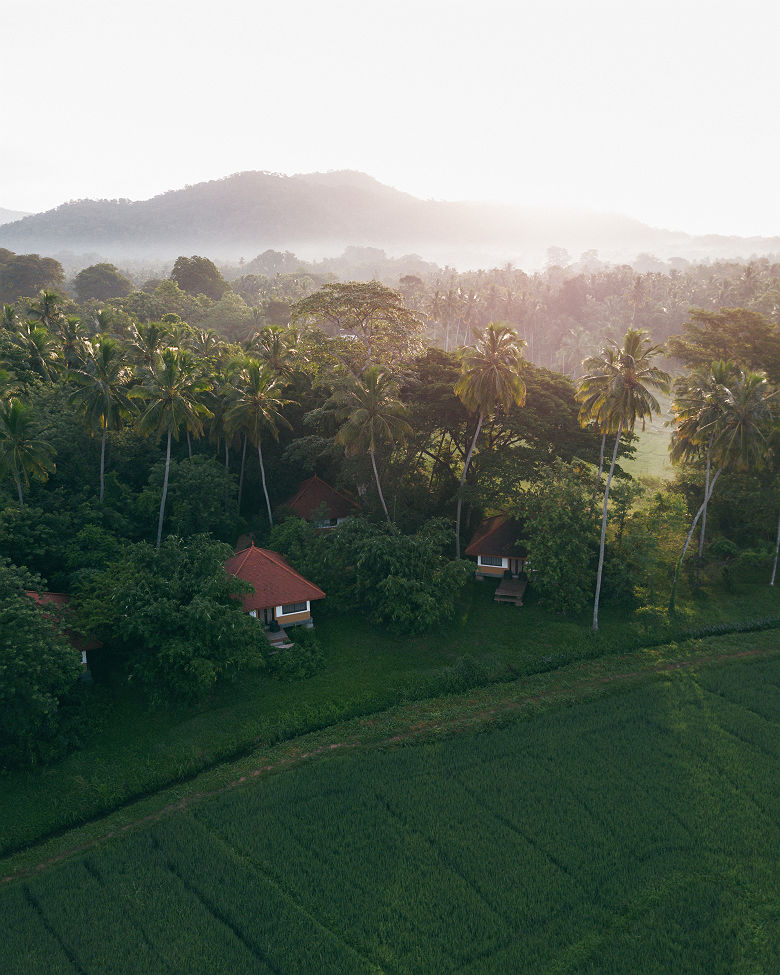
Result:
652,449
141,749
632,832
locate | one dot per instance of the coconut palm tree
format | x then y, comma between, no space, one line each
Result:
620,402
255,408
171,395
741,426
593,395
697,405
39,347
375,416
46,308
8,318
103,393
146,342
490,378
22,453
73,339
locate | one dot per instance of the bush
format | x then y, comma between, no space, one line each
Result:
38,669
299,661
169,617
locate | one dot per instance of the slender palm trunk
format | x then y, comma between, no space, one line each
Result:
463,482
19,491
241,475
379,486
777,549
189,444
227,456
262,478
699,513
604,530
706,496
601,466
102,461
165,489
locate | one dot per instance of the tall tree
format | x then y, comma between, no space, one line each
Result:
490,378
256,403
103,391
374,416
372,316
697,406
46,308
146,342
39,347
171,394
741,422
23,454
594,398
199,276
626,398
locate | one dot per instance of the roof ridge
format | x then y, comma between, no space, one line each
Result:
246,550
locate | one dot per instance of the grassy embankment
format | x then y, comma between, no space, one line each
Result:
633,833
140,749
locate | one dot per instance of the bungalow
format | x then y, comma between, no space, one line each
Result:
60,600
319,503
282,596
501,554
498,547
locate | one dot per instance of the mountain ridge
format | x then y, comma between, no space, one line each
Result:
320,213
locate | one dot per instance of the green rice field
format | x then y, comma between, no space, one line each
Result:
637,832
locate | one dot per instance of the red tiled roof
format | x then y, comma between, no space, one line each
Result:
60,600
311,496
48,598
275,581
498,536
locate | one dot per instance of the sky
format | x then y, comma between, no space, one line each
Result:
665,111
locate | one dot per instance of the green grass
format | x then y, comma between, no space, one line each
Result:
140,750
652,449
635,832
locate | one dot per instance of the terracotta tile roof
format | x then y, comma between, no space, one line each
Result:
498,536
313,493
60,600
275,581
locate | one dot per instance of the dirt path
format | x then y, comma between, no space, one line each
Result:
410,723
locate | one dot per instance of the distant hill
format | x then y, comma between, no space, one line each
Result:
8,216
319,214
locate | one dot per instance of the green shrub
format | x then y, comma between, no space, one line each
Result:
303,659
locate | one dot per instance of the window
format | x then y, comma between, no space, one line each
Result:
491,560
294,608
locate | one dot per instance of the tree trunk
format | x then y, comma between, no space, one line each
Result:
706,495
463,482
690,536
262,478
227,455
604,531
777,549
436,461
241,475
704,513
601,467
102,460
19,491
379,486
189,444
164,490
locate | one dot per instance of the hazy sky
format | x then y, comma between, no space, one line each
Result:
667,111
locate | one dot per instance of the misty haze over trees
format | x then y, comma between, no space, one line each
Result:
319,214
